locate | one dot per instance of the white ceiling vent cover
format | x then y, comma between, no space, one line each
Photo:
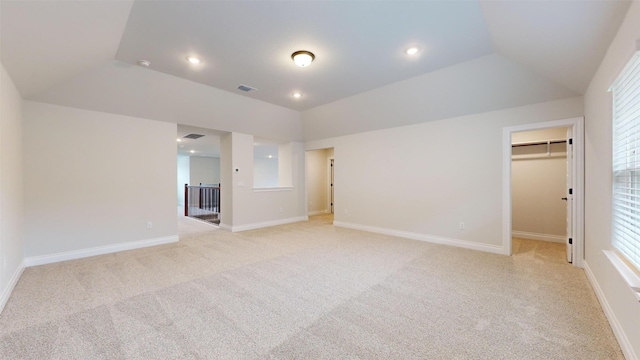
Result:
246,88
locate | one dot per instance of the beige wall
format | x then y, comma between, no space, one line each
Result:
624,307
317,177
11,196
538,184
204,169
265,172
251,208
183,176
95,179
423,180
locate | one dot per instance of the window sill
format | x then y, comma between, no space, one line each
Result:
268,189
632,279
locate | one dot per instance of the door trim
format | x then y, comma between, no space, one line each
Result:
578,182
330,206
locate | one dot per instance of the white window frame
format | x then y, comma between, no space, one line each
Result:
625,216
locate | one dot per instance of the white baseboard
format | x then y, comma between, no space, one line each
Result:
101,250
496,249
6,292
318,212
225,227
536,236
623,340
265,224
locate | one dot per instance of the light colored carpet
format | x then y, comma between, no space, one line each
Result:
307,291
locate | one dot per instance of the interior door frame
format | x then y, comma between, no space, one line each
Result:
577,124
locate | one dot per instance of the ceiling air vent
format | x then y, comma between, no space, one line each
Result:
246,88
193,136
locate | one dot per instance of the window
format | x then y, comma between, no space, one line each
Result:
272,164
626,162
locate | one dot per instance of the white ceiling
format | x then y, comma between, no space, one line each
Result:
43,43
563,40
359,45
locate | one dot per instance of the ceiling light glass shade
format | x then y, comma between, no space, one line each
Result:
412,50
193,60
303,58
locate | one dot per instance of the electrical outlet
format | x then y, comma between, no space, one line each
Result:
461,225
149,224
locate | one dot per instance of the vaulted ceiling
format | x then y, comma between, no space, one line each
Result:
58,51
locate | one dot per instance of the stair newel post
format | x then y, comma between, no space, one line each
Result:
186,199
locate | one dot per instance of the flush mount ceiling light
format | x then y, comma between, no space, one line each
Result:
296,95
193,60
303,58
412,50
144,63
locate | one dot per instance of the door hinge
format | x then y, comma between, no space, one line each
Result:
570,241
571,191
570,141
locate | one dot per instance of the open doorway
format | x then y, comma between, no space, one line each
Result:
540,204
198,173
320,175
543,181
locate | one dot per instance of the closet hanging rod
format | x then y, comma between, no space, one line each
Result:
544,142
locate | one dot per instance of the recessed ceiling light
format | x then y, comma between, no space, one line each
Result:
193,60
270,156
412,50
296,95
178,139
192,151
303,58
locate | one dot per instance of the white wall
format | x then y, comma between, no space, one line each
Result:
226,180
11,195
183,177
423,179
204,170
253,208
285,164
624,308
316,179
95,179
265,172
539,183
